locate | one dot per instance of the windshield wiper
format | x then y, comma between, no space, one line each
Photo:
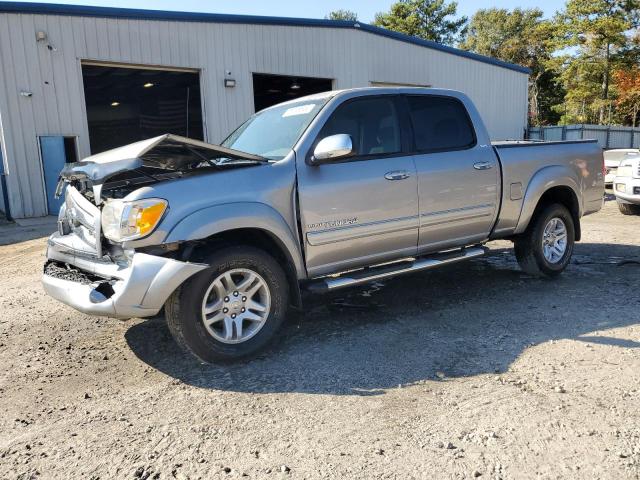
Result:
227,160
222,161
201,156
146,174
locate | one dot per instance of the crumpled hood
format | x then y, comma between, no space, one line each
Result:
166,152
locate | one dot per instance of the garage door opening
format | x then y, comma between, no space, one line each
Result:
269,90
125,105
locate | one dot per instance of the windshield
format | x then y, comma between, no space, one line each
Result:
273,132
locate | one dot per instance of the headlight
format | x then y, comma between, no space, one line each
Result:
123,221
621,187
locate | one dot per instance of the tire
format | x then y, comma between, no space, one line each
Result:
629,209
529,248
222,340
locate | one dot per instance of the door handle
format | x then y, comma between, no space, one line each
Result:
397,175
482,165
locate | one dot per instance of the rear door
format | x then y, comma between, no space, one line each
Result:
363,209
458,179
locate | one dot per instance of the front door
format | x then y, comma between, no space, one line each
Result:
458,178
360,210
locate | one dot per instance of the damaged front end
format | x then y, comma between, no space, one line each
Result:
136,287
100,278
87,267
117,172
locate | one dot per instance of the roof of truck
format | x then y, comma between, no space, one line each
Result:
373,90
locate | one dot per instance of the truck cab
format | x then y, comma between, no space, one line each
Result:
323,192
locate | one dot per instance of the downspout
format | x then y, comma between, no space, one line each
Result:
3,177
3,186
5,194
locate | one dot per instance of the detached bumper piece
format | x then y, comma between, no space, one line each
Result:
95,286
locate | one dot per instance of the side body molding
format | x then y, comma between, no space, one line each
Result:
543,180
231,216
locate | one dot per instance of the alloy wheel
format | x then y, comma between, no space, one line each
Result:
236,306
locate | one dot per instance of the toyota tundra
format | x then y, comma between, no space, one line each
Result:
323,192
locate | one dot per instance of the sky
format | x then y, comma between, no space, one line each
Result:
366,9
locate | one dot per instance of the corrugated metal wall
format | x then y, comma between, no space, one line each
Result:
51,70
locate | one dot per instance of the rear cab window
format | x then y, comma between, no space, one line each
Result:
440,124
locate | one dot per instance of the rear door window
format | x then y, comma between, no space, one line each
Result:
372,124
440,123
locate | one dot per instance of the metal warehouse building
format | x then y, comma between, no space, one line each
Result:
79,80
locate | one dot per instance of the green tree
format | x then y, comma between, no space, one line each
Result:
596,38
429,19
342,14
525,38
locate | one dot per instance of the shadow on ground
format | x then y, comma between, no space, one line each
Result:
465,320
26,229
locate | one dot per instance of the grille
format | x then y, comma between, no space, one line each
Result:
65,272
81,218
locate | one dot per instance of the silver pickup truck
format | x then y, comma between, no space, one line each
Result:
323,192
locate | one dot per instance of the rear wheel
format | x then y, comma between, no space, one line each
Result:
629,208
545,248
232,309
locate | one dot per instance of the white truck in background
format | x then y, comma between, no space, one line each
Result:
626,183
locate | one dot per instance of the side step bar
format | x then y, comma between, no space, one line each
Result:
370,274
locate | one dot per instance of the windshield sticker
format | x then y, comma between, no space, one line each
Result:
300,110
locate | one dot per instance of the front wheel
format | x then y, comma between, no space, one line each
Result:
232,309
545,248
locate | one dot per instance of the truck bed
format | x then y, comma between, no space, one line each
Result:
526,164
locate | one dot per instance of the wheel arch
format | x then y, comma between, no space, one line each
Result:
252,224
551,185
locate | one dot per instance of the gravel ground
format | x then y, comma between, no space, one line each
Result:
474,371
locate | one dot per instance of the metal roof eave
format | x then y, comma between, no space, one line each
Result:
142,14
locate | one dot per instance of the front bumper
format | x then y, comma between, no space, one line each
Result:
631,191
138,287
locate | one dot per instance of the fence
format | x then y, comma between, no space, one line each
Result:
608,136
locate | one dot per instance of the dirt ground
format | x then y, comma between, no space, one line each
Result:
475,371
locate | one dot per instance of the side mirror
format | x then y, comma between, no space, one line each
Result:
333,147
